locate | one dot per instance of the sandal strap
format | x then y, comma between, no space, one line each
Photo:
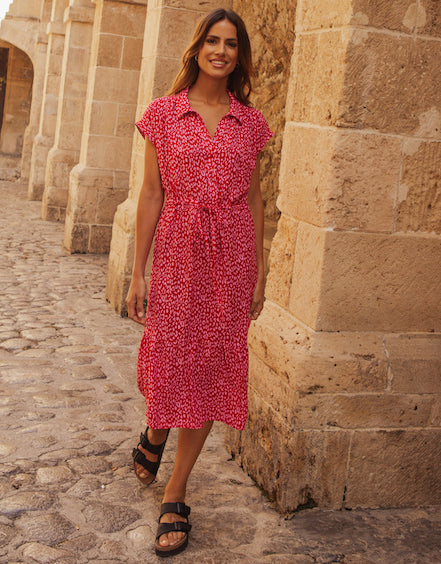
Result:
148,465
178,526
145,443
179,508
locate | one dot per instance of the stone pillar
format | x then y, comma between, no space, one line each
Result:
168,30
100,180
44,140
34,116
345,359
65,153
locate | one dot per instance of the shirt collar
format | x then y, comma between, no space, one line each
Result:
183,106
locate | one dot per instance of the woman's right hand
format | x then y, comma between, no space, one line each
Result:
135,299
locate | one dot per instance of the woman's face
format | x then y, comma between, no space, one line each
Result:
219,53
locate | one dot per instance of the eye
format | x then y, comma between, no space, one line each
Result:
232,45
211,40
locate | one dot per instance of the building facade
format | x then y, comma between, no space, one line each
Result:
345,360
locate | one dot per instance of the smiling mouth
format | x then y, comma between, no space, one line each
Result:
218,63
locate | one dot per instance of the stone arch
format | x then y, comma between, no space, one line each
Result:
18,75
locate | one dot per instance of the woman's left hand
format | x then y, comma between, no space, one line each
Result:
257,301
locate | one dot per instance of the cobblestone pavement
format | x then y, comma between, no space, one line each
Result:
70,414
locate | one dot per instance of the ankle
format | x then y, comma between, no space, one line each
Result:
174,494
157,436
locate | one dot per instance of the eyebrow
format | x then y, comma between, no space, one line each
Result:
217,37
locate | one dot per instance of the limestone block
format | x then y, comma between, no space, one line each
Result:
107,202
100,237
430,18
301,85
419,198
110,51
132,52
40,150
77,61
76,236
394,468
350,281
352,411
106,151
118,18
313,15
171,20
400,15
124,123
115,84
395,90
197,5
165,73
281,262
339,179
318,362
415,362
294,467
103,117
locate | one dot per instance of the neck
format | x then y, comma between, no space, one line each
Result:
211,90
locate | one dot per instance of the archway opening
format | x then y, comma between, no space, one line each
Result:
16,78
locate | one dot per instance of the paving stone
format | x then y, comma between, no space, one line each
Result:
108,518
21,502
88,372
45,554
15,344
54,475
50,528
85,486
38,334
89,465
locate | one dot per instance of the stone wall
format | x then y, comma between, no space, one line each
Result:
270,25
344,397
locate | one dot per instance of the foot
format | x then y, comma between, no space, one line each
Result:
170,539
156,437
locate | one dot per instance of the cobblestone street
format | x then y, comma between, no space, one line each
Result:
71,413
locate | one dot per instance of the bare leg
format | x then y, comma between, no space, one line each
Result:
190,443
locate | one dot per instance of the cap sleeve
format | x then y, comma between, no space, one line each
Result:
148,125
263,132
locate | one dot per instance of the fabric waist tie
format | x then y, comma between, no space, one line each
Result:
211,220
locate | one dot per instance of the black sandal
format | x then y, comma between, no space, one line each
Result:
179,526
139,458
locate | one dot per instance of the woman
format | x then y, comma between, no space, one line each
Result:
207,282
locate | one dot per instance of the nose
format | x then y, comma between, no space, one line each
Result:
220,47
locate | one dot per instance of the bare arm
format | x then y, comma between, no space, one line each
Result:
151,199
255,204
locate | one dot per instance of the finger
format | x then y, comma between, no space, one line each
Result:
140,307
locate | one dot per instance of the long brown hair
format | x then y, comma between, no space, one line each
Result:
239,81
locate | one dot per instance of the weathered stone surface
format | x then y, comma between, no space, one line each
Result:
50,528
89,465
109,518
41,553
415,363
21,502
53,475
381,456
419,201
339,179
398,274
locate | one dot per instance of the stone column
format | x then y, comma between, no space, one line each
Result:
45,138
168,30
345,392
100,180
65,153
37,91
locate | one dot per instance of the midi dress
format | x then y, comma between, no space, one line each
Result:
193,356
